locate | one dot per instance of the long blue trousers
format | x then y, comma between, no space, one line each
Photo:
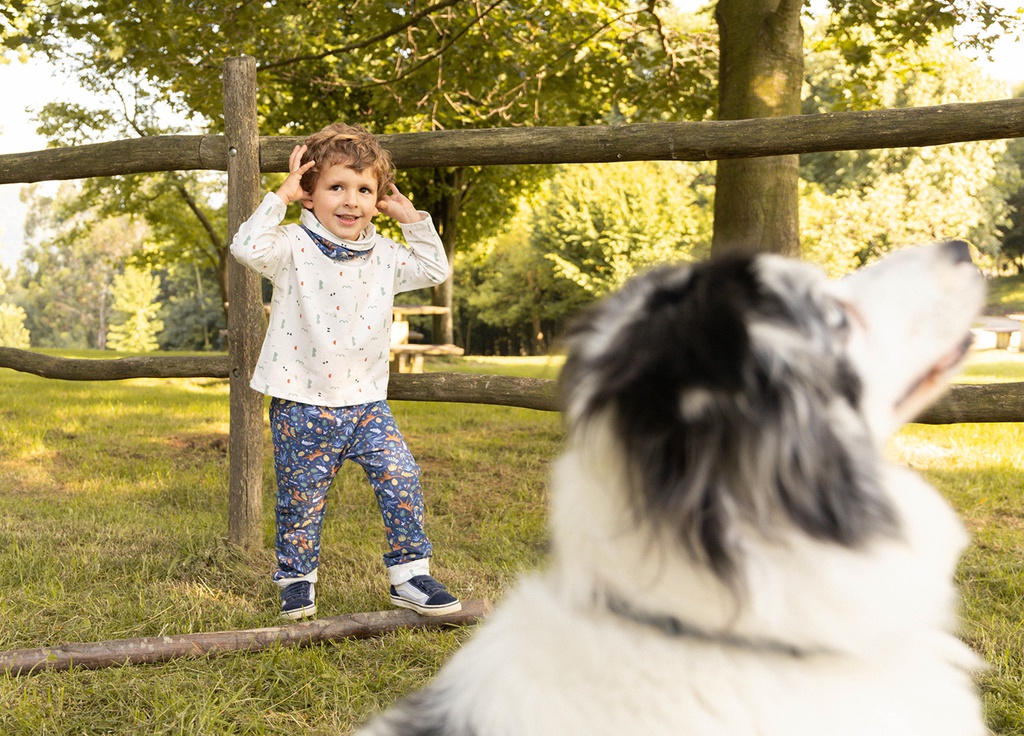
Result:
310,445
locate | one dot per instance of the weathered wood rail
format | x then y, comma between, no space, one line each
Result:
242,153
683,141
997,402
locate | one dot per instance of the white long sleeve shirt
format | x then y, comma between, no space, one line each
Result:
329,335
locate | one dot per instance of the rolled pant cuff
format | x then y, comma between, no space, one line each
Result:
406,571
283,582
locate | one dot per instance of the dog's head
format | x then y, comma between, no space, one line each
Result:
753,390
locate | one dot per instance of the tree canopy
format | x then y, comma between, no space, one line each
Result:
412,65
395,67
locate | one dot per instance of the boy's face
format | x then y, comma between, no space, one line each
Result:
344,200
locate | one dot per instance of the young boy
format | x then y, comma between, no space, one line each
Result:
325,356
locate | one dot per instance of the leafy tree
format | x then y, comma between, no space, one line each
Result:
588,230
398,66
1011,233
601,224
510,300
63,278
12,327
860,204
134,324
12,323
192,313
760,74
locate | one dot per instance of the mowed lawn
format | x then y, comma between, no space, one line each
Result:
113,518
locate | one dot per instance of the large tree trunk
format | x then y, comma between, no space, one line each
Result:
446,219
760,75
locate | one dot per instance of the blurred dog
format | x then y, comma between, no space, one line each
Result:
731,553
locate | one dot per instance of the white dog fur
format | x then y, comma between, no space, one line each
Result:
731,553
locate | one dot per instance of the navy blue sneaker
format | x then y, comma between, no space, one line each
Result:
426,596
298,600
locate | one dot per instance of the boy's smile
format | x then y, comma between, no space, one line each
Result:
344,200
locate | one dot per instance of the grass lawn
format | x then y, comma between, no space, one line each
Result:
113,520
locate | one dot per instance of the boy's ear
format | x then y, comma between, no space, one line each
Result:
306,200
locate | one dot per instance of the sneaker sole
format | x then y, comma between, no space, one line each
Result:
297,613
426,610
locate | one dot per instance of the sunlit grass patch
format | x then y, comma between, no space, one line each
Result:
113,517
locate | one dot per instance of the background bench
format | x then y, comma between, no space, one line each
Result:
1002,327
407,357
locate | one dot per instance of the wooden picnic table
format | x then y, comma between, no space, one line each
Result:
1002,327
407,357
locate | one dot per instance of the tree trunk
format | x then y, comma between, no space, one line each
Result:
760,76
446,219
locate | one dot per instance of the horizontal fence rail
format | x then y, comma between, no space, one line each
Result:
683,141
996,402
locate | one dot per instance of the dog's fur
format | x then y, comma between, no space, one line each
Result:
731,553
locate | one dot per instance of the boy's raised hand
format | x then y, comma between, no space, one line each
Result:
291,189
398,207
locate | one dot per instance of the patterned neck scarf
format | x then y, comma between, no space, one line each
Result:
334,251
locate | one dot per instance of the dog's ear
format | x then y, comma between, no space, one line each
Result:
720,426
672,327
671,336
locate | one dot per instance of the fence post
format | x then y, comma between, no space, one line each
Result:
245,309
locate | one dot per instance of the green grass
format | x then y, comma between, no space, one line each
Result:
113,516
1006,295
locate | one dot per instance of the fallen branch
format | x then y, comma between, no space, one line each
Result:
147,650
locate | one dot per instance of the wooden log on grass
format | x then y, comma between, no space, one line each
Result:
152,649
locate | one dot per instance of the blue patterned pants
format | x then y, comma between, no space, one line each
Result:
310,445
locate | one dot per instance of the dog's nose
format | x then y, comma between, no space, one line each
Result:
960,251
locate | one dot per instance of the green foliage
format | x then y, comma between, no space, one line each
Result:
601,224
509,299
858,205
863,30
587,231
134,324
1011,232
64,275
192,313
12,327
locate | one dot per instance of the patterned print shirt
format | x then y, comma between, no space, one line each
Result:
329,335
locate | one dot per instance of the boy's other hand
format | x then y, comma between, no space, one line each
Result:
398,207
291,189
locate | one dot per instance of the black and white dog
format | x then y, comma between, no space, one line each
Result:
732,554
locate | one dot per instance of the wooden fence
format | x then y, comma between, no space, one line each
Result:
243,154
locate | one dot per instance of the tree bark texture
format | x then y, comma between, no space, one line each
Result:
685,141
148,650
760,75
245,310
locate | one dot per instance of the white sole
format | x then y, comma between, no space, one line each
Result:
306,612
424,611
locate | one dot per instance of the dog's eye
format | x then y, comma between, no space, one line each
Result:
836,317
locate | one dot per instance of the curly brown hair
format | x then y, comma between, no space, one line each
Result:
352,146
